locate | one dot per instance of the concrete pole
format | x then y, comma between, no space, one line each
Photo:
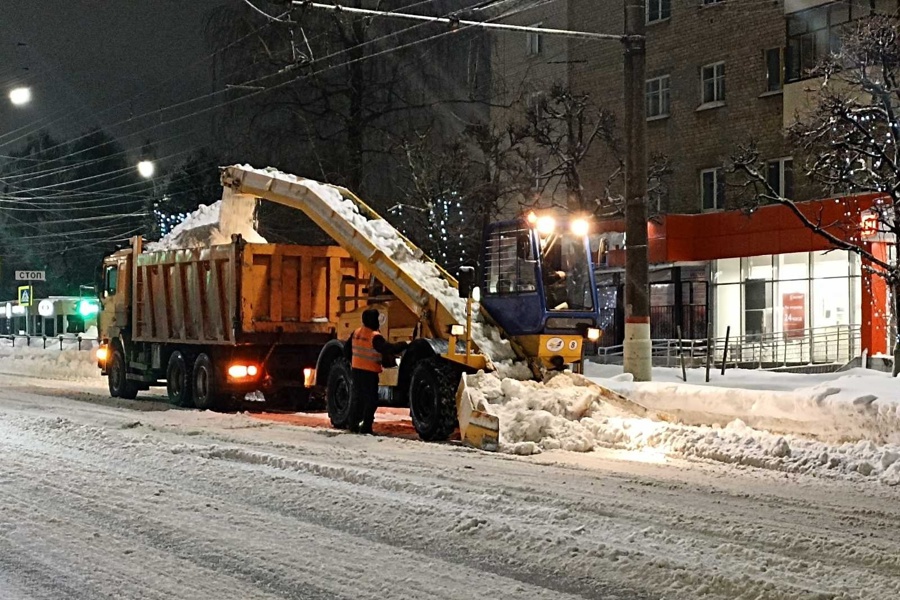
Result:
636,350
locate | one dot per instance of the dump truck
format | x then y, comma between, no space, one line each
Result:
211,323
536,303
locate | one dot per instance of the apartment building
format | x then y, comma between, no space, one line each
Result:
719,74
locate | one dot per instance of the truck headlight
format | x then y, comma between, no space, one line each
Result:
593,334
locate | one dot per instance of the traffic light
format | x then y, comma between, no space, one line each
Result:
88,308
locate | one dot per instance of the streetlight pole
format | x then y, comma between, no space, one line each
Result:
636,349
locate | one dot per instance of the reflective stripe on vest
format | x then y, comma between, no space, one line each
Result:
365,356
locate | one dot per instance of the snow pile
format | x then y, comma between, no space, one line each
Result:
852,405
34,361
213,225
426,273
569,412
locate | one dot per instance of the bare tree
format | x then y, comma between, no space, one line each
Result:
849,140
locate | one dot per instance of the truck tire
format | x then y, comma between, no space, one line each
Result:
179,379
119,384
206,385
339,394
432,399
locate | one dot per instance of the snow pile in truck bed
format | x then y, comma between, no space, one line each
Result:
568,413
419,267
214,224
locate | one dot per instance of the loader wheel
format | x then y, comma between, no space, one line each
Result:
206,385
338,394
432,399
179,380
119,384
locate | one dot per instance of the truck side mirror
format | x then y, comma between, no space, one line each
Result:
466,281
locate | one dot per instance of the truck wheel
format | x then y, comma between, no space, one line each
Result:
119,385
432,399
338,394
206,385
179,380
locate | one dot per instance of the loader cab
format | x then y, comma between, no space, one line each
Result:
537,276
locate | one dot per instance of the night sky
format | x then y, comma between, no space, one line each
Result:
99,63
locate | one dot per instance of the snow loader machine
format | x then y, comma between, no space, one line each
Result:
537,292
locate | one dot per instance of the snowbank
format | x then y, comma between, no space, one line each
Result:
214,224
837,407
426,273
68,364
569,413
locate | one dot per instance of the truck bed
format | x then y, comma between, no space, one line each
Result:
244,293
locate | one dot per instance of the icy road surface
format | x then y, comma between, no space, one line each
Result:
118,499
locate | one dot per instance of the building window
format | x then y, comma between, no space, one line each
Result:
780,176
815,33
658,10
534,42
712,189
657,90
774,69
712,83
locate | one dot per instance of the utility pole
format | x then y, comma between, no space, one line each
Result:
636,350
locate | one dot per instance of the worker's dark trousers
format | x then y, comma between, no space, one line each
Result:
365,399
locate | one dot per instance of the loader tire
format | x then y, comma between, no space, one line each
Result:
432,399
339,394
180,380
119,384
207,395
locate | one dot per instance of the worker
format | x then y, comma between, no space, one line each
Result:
555,290
366,350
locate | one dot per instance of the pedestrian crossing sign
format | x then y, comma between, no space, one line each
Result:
26,295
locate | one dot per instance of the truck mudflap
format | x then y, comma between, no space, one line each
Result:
477,427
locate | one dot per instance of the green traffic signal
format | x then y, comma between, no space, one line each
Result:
88,308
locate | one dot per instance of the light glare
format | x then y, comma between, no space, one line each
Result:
20,96
146,168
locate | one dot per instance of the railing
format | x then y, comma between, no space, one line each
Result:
824,345
41,341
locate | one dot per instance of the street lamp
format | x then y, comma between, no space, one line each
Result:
146,168
20,96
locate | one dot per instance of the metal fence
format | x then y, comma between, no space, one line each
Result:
824,345
60,342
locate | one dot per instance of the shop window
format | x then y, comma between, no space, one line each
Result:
727,270
712,83
757,307
760,267
728,309
793,266
833,263
658,10
657,92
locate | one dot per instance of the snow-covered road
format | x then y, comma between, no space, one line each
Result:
112,499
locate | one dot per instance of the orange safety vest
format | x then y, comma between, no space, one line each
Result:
365,356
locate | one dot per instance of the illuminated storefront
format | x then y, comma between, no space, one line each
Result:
780,292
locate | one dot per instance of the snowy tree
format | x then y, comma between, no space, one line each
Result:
850,143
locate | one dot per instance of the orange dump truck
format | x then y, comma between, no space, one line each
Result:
228,319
